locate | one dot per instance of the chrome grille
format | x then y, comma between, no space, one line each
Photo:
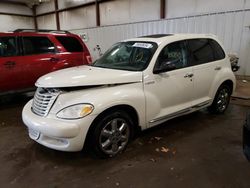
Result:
43,100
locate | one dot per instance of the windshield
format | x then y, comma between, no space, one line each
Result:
132,56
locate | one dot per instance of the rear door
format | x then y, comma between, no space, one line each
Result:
11,76
205,56
40,57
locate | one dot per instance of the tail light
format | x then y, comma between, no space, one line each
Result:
89,59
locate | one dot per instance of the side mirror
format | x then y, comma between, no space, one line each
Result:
165,66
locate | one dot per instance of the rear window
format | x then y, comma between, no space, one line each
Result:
218,51
204,51
8,46
37,45
71,44
201,51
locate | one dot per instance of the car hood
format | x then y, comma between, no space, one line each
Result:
87,76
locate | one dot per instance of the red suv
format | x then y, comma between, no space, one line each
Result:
26,55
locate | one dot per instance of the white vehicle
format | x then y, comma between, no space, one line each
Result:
136,84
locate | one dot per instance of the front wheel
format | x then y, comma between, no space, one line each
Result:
221,100
111,134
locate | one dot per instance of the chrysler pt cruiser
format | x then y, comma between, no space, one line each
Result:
135,85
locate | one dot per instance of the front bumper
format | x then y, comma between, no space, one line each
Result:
58,134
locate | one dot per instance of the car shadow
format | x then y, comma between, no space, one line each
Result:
173,129
13,100
142,148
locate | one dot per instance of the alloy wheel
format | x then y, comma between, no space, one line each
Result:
222,100
114,136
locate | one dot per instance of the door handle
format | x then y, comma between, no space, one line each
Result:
54,60
9,64
217,68
188,75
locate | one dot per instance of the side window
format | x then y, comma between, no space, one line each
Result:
200,51
173,55
8,47
71,44
217,50
37,45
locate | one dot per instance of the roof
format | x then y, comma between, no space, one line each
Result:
156,36
159,38
41,31
32,32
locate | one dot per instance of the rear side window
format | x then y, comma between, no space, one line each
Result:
71,44
8,47
201,51
37,45
218,51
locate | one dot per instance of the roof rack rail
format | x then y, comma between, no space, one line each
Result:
41,30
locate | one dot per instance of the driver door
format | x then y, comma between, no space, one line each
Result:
169,92
11,65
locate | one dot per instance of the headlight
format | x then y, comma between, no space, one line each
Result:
75,111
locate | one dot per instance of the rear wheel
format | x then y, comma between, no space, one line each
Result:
111,134
221,100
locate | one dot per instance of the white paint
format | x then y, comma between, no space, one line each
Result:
45,7
15,9
47,22
71,3
78,18
114,12
247,5
179,8
141,10
10,23
143,45
127,11
229,27
155,97
86,76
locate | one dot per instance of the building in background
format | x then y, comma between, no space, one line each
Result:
105,22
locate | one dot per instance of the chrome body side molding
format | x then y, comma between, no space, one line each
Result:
178,113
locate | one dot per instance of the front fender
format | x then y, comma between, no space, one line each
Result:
103,98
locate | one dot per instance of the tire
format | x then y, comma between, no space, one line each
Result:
221,100
111,134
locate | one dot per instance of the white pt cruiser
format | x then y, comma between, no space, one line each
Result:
135,85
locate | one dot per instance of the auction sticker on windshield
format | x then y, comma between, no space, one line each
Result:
142,45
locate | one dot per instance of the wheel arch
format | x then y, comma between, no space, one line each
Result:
229,83
214,108
131,111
